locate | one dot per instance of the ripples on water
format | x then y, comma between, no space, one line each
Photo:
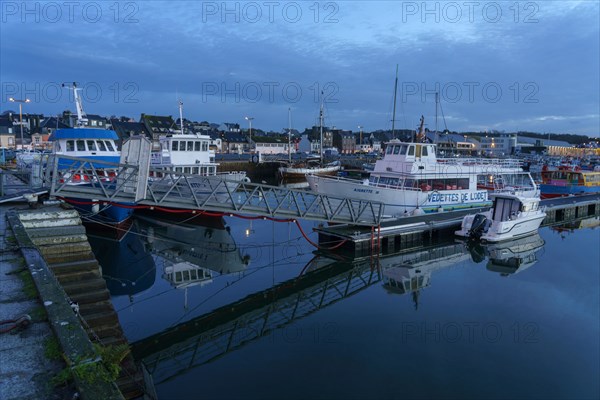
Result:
261,316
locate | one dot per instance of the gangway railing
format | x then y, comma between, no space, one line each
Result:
123,184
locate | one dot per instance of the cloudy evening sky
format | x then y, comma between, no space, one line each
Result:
497,65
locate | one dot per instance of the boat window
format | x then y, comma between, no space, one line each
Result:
91,145
196,146
397,149
424,153
186,170
195,170
202,170
80,145
101,145
388,150
178,276
409,183
190,146
178,169
591,179
174,145
411,150
403,150
204,146
70,145
109,145
212,170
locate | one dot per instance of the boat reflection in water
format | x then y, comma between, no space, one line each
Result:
515,256
126,266
571,226
191,253
411,272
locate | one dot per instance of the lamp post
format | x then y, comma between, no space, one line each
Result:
249,119
360,138
20,115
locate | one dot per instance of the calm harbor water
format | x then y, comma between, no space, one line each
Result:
265,317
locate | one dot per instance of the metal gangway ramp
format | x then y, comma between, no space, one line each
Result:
134,185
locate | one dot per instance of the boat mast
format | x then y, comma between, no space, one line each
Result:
437,100
81,115
289,134
394,110
181,116
321,130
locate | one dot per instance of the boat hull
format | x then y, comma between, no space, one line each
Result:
293,173
552,191
101,212
399,202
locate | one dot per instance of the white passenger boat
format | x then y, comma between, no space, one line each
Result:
512,216
410,179
189,154
188,157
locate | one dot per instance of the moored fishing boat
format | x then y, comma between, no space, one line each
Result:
100,157
569,181
190,154
299,170
410,179
185,161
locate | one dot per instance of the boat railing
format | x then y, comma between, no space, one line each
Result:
501,162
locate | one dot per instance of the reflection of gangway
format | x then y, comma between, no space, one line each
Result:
213,335
176,190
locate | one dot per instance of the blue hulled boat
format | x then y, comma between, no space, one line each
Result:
99,147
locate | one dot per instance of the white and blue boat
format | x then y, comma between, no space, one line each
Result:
99,149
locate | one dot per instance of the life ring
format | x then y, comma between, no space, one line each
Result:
255,158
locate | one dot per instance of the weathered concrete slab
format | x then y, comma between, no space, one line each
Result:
56,231
81,247
47,223
59,240
46,214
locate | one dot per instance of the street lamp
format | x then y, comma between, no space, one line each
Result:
249,119
360,137
20,115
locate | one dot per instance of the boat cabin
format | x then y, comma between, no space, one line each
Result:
570,177
84,142
188,154
409,152
507,207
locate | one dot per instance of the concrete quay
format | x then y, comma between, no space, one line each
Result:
25,371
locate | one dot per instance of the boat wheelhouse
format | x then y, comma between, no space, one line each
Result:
188,158
411,179
568,181
96,144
